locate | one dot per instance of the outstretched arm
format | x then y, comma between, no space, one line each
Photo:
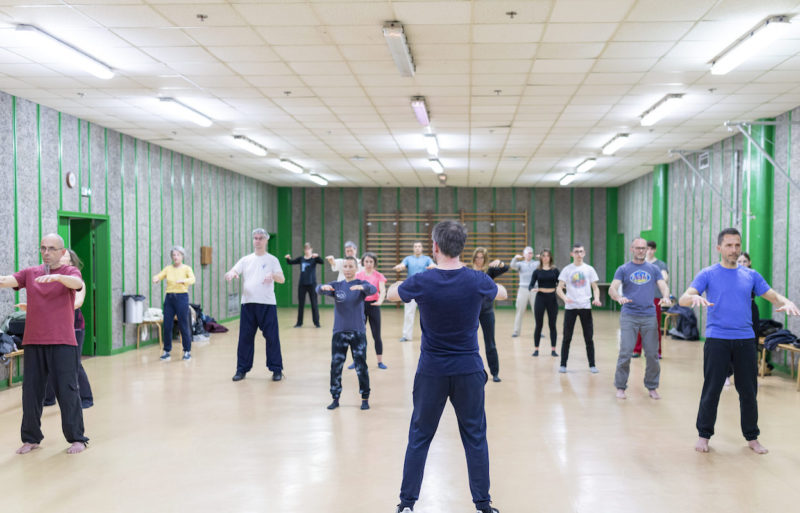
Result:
693,298
502,293
8,281
393,295
783,304
71,282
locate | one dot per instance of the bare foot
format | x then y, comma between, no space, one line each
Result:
654,394
757,447
621,394
727,382
26,448
76,447
701,445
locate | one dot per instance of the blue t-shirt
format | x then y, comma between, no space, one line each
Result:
449,304
639,284
416,264
348,309
729,290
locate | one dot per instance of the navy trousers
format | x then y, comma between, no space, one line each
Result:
177,304
254,317
466,394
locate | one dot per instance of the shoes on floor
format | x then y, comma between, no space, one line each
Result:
636,355
86,404
562,369
488,510
364,404
496,378
553,353
164,357
317,326
277,375
297,326
381,365
334,404
535,353
187,355
404,510
403,339
238,376
593,370
351,366
514,335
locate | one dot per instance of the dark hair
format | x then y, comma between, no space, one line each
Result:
351,258
577,245
549,254
727,231
746,255
75,260
450,236
651,244
370,254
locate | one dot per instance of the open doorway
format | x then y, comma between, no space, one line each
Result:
89,236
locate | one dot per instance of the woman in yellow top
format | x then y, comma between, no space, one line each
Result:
176,302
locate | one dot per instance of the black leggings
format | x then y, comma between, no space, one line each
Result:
545,301
373,314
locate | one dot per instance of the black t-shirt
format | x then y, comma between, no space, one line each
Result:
547,278
308,268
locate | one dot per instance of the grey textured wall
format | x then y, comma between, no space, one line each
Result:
154,198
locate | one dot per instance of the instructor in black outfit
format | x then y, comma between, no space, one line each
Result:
308,282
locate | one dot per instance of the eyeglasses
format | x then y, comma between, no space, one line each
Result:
49,249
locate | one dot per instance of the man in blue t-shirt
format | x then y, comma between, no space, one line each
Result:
349,329
634,286
450,364
729,336
415,264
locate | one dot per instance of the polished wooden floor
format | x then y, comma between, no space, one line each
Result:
181,437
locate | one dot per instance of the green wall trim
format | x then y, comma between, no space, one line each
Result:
788,216
612,236
122,210
61,165
660,214
283,243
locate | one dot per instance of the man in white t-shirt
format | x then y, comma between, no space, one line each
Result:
580,281
259,272
350,250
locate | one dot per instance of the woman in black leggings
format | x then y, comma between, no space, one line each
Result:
372,304
543,283
486,318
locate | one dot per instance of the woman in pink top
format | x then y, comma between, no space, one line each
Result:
372,304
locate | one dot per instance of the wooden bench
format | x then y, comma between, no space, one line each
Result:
11,356
792,350
157,324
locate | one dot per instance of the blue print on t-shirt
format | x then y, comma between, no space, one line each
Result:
640,277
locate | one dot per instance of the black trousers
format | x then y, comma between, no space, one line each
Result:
545,301
311,290
83,380
588,333
718,354
487,326
42,361
373,315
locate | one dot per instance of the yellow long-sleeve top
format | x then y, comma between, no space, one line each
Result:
172,274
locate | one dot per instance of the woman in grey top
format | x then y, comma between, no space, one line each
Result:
525,265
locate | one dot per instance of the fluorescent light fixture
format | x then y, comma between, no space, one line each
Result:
72,54
436,166
398,47
616,142
184,111
586,165
432,145
567,179
291,166
420,110
749,44
662,108
317,179
250,145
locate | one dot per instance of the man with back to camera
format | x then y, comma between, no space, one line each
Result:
414,263
50,345
259,271
729,336
634,287
450,365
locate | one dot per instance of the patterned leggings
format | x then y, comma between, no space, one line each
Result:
357,341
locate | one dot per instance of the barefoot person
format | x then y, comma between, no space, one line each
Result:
544,281
349,329
450,364
524,264
49,344
259,271
634,287
179,278
662,266
414,264
307,283
372,303
729,336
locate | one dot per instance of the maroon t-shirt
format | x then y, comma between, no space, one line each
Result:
51,307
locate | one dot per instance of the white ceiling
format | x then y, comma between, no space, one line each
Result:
514,102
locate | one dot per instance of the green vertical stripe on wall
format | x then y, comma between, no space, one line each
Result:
341,221
532,220
105,159
161,209
136,205
591,223
788,212
360,219
16,188
612,256
149,228
660,213
122,208
89,164
283,244
436,200
323,251
572,217
60,165
39,165
80,171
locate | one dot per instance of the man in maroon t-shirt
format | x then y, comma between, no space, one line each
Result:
50,345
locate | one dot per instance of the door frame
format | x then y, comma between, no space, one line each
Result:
102,263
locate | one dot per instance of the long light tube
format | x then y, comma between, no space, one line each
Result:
291,166
617,142
420,110
250,145
398,46
432,145
756,39
436,166
184,111
586,165
663,107
567,179
317,179
75,55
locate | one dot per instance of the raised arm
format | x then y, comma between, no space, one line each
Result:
293,261
331,262
8,281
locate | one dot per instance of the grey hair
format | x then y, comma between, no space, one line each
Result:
528,249
350,244
260,231
179,249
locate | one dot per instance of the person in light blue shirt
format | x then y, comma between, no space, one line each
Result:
414,264
729,336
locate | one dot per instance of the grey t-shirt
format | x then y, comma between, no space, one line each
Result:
639,285
525,270
662,266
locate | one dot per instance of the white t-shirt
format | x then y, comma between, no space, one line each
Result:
338,265
579,279
252,269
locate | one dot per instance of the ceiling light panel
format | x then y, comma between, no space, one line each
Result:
398,48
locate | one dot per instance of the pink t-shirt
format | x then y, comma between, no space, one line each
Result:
375,279
51,307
